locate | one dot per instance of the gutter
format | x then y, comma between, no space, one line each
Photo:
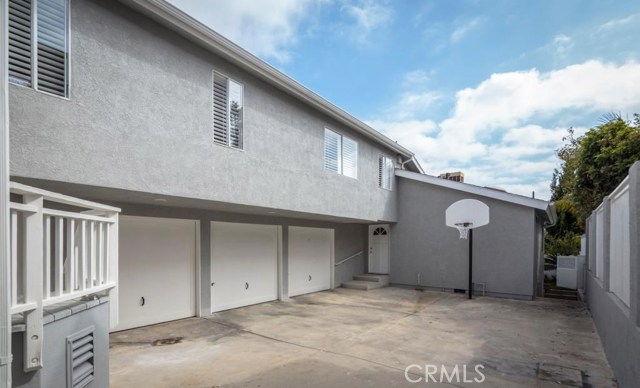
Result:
552,215
174,18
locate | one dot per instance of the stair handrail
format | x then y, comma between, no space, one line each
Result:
349,258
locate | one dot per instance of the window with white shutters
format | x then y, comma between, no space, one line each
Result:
332,151
20,42
340,154
349,157
385,172
227,111
43,25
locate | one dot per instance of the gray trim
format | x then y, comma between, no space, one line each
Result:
537,204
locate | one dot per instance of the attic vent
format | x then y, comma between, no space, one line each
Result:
80,358
20,42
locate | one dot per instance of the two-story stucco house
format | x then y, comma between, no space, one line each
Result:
237,185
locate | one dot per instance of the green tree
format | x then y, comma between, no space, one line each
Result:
564,237
591,167
606,153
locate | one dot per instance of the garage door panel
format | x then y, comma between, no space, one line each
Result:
156,270
244,264
310,251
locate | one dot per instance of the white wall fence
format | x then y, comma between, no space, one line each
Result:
612,289
61,248
609,227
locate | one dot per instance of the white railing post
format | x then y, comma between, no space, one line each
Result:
33,273
112,271
5,288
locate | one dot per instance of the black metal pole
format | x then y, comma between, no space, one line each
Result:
470,263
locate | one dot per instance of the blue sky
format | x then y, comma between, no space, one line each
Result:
487,87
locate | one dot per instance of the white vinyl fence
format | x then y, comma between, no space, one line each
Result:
613,248
619,244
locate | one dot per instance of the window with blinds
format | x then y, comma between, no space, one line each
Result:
46,30
227,111
340,154
349,157
385,172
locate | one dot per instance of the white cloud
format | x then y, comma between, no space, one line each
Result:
509,99
415,78
562,43
366,15
616,23
494,133
463,30
268,30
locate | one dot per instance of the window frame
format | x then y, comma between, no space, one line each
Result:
34,52
340,161
242,137
385,161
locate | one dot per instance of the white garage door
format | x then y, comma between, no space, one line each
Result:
157,270
244,264
310,251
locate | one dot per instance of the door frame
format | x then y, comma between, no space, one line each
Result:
370,234
279,261
332,256
197,259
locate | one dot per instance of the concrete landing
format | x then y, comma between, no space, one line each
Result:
381,338
367,282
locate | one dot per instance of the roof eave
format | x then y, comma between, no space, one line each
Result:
537,204
174,18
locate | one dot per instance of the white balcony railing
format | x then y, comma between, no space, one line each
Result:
62,248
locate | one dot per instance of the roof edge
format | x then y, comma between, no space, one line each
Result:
181,22
517,199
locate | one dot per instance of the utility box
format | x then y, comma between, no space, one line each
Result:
570,272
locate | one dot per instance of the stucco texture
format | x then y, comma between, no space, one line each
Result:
422,245
139,117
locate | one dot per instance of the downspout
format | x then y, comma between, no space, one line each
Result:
5,288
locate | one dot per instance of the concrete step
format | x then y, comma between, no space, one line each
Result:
560,295
370,277
362,285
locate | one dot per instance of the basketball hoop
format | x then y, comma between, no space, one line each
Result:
465,215
463,228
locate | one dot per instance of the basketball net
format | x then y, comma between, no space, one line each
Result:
463,228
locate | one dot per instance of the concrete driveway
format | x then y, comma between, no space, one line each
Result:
350,338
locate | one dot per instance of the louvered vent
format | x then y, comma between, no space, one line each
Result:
80,358
332,151
52,46
220,113
20,42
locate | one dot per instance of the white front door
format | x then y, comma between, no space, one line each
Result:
379,249
244,264
310,264
157,270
